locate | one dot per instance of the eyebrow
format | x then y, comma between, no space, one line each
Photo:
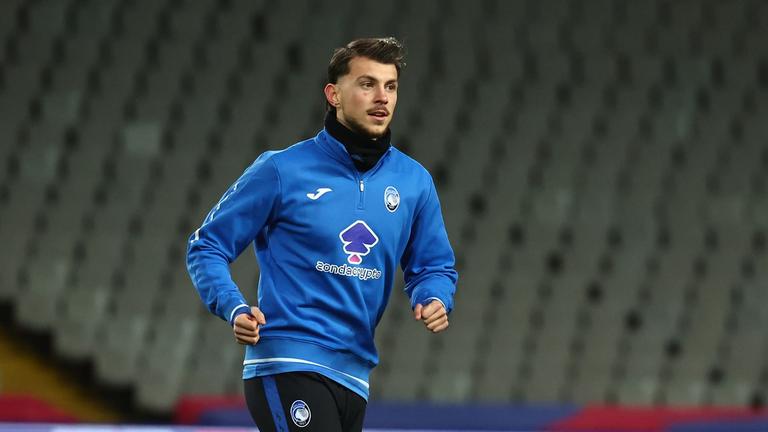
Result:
368,77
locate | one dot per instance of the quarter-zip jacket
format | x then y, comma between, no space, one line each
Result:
328,240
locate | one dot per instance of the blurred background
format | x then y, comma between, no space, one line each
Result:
602,166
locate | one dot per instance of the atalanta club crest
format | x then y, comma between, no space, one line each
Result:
391,198
300,413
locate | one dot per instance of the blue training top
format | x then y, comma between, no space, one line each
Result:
328,240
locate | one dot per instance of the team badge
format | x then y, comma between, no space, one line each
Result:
300,413
391,198
358,239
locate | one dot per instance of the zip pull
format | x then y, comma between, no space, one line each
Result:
362,186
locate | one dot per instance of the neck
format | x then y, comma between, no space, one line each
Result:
364,151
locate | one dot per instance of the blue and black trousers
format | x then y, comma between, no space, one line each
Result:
303,402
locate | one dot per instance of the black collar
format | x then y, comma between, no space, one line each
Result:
365,151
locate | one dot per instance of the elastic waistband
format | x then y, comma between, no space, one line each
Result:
279,349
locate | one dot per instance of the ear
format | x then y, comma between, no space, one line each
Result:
331,94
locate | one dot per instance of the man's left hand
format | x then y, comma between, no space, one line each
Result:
433,315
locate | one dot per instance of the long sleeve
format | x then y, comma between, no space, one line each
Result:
244,209
428,260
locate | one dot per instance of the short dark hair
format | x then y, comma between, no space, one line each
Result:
383,50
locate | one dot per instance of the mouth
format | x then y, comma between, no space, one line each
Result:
379,114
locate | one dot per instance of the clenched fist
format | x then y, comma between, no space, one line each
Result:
434,316
246,326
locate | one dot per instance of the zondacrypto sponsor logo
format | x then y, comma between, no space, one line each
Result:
361,273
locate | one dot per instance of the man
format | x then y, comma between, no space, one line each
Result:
330,217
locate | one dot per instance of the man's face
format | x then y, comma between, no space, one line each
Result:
365,98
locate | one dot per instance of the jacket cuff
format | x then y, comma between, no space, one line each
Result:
242,308
424,294
430,299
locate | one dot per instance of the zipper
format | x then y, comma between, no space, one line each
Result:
360,204
361,181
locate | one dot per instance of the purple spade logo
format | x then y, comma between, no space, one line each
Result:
358,239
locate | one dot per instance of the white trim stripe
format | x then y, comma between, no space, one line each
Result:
232,315
295,360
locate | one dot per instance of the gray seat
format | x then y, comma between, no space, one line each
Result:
640,383
638,390
407,362
595,366
39,300
187,22
82,312
551,357
598,12
8,14
453,378
94,19
500,366
121,342
16,227
165,360
214,349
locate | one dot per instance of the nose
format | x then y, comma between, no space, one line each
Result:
381,97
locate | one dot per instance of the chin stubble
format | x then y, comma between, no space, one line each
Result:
360,129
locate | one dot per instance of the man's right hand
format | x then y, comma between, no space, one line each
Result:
246,326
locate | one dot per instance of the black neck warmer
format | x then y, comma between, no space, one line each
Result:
365,151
